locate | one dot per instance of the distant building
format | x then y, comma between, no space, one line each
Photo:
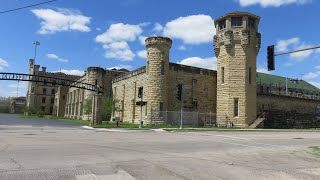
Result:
40,96
17,104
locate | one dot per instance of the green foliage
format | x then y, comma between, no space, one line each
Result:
40,114
87,106
4,108
30,111
109,105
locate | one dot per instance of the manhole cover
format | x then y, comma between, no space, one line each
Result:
298,138
29,134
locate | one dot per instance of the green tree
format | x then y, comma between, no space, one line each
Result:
87,106
109,105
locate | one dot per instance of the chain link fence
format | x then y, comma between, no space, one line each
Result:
188,118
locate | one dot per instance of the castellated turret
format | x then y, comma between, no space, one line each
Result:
156,90
236,46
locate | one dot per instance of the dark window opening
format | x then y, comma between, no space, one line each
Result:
52,100
63,97
222,75
43,100
42,108
268,89
236,21
53,91
32,90
236,107
251,23
222,24
161,106
44,91
261,89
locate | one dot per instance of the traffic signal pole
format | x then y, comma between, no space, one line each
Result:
306,49
271,55
140,123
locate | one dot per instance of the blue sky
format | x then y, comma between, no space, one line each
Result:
76,34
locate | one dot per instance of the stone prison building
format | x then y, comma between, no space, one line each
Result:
233,94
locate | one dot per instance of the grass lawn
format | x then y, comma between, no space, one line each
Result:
49,117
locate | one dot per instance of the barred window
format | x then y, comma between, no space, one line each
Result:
236,21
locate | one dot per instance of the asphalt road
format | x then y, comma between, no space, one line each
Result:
56,150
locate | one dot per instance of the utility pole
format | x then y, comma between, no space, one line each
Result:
36,44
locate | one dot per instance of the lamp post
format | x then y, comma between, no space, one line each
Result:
36,44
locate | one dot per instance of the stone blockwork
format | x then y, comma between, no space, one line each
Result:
288,112
199,89
236,46
125,92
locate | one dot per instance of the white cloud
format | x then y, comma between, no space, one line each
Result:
128,67
195,29
291,45
142,40
271,3
317,84
311,75
72,72
283,45
119,50
22,85
317,67
264,70
61,20
206,63
142,54
157,28
300,56
120,32
3,64
182,48
55,57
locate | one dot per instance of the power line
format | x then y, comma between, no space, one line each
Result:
24,7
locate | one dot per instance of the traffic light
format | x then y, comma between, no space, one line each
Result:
140,92
271,66
179,93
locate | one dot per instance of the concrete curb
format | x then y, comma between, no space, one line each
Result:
122,130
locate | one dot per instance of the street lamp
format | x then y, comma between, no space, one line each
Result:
36,43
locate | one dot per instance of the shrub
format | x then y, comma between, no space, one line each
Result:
40,114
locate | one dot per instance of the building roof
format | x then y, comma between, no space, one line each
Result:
237,13
263,78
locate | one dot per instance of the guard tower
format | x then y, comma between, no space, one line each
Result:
236,46
156,90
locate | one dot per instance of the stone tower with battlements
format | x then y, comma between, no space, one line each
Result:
236,45
156,90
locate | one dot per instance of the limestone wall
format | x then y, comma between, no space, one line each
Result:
125,92
200,88
286,104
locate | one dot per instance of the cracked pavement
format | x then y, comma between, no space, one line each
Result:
37,149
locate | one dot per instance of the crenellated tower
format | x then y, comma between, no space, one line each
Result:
236,45
156,90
